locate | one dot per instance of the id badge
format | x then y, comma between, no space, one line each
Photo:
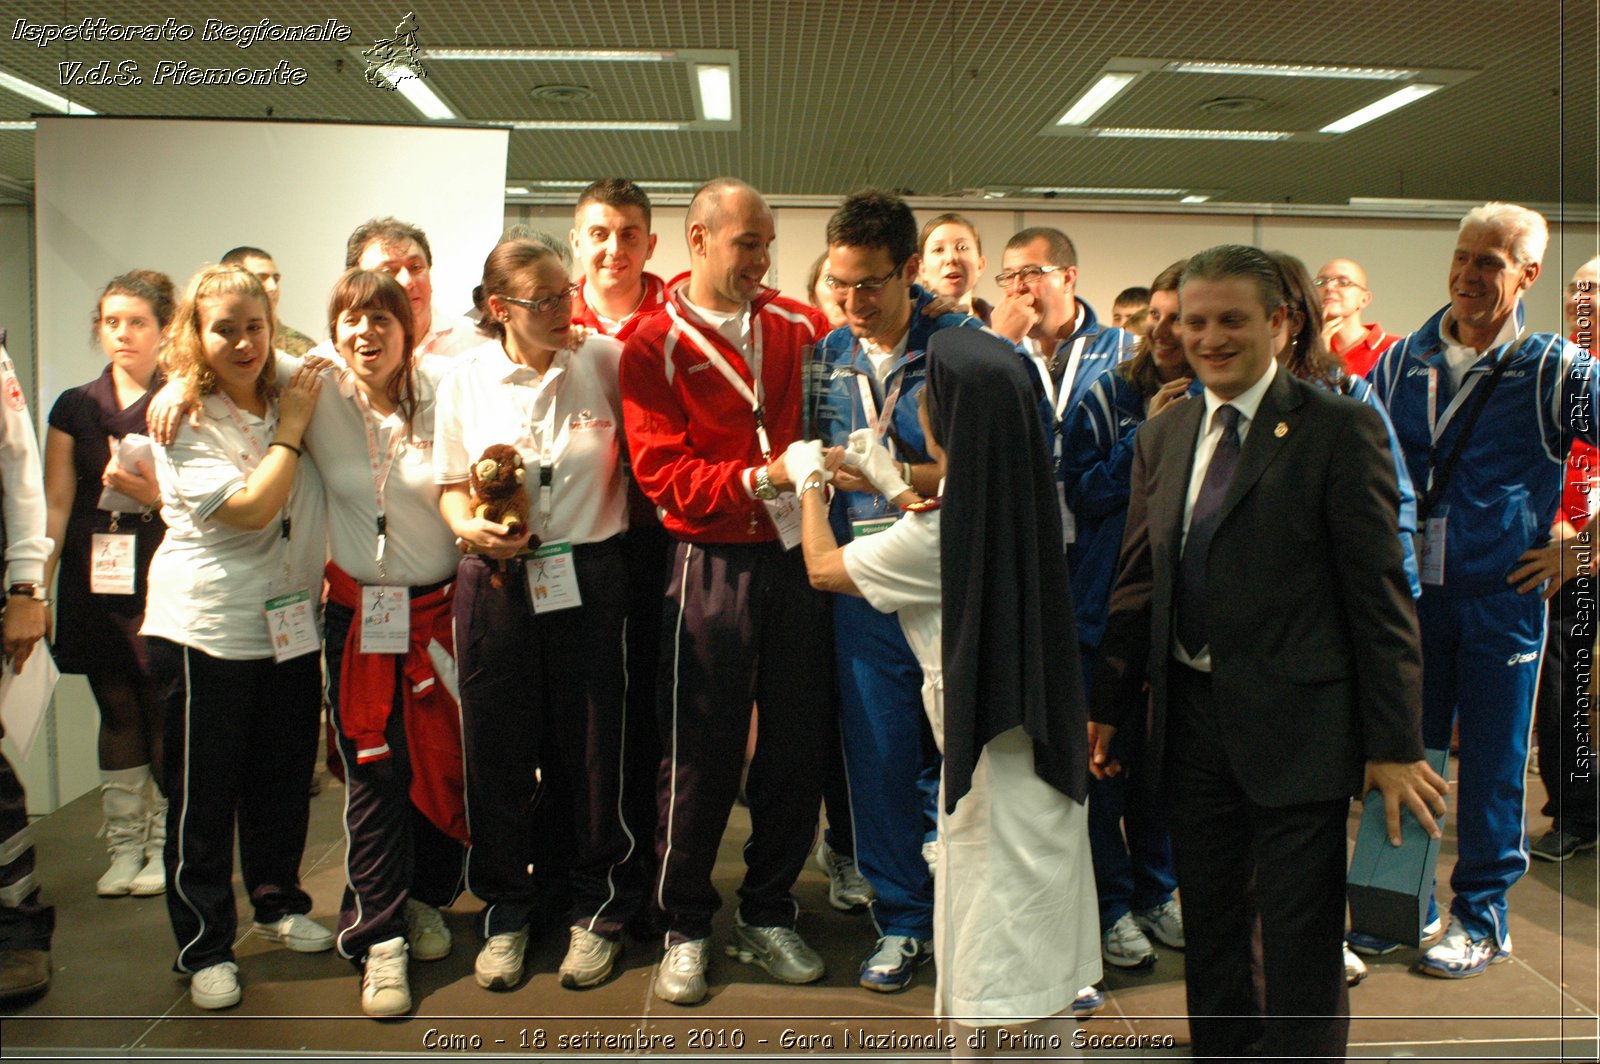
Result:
385,620
870,526
785,514
1433,552
1069,524
292,623
112,563
553,578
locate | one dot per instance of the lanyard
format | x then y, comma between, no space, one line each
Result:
1073,361
706,347
260,453
543,432
379,468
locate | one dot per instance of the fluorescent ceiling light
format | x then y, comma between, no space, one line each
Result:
17,127
40,94
555,55
1099,94
416,91
1196,198
604,125
1392,102
1192,134
1289,70
1091,190
516,190
716,92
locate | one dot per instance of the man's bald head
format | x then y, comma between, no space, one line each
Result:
1346,268
730,231
718,198
1342,287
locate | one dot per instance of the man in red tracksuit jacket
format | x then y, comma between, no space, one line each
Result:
712,395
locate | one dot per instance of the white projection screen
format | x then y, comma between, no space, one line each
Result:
113,194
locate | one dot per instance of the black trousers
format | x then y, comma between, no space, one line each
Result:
24,923
241,739
1263,900
647,549
1566,742
395,852
542,699
743,625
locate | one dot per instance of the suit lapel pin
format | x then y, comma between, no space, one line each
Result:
1281,430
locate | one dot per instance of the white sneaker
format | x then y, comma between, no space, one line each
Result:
127,862
299,932
1456,956
848,889
1355,969
589,959
681,975
1164,923
1124,946
499,964
384,988
426,931
216,987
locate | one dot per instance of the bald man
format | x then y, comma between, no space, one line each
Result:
1343,284
711,398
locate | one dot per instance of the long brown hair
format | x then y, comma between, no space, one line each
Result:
373,289
185,353
1141,370
1307,355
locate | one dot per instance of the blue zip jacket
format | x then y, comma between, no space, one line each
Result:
838,374
1502,495
1096,469
1103,347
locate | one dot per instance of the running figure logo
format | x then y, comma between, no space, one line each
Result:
391,61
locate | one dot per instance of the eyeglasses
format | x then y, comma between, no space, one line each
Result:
1336,283
548,303
868,287
1026,275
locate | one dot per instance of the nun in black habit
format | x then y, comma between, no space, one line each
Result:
987,609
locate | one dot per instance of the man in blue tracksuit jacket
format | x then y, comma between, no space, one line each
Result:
1487,556
870,374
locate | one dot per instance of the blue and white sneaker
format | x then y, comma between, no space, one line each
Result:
1458,956
894,963
1373,946
1088,1002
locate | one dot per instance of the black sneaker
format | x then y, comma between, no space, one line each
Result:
1558,845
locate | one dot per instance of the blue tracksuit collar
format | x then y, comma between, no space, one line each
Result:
1429,345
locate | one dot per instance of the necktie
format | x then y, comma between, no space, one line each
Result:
1202,526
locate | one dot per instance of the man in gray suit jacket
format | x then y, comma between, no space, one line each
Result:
1261,593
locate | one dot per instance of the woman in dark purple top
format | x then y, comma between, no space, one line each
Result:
103,558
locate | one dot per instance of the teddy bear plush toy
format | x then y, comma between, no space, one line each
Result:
498,494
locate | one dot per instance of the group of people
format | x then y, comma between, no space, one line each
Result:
1272,526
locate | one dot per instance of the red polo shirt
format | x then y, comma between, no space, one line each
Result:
1360,358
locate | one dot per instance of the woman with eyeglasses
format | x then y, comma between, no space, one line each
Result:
539,621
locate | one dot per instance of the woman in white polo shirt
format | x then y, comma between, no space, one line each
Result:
390,650
539,631
231,622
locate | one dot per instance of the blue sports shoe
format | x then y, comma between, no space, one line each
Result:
1458,956
894,963
1373,946
1088,1002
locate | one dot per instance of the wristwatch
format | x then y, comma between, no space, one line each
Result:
763,481
28,589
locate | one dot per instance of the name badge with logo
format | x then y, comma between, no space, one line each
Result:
553,578
785,514
385,620
113,567
1433,552
292,624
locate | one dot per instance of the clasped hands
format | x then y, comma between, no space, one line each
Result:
863,464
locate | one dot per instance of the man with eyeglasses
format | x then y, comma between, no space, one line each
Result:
1041,312
1343,285
712,395
872,371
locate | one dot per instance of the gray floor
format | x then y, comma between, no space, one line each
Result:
114,994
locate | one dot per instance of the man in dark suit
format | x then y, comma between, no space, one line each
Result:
1262,595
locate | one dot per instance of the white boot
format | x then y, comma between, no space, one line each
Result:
122,800
152,878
